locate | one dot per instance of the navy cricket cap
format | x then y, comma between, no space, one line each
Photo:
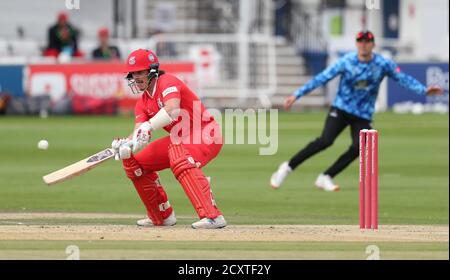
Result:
365,36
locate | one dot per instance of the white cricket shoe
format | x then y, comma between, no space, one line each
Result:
207,223
325,183
169,221
278,177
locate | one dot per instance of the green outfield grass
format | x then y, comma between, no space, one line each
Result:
220,250
413,178
413,157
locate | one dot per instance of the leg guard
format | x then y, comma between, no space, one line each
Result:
193,181
150,191
163,202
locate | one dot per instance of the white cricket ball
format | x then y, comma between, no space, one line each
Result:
43,145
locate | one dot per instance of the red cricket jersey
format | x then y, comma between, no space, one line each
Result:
167,87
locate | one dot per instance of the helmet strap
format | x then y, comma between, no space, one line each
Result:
154,86
153,74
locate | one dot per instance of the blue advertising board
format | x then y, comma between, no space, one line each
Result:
11,79
426,73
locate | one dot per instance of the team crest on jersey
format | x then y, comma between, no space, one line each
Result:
132,60
160,104
138,172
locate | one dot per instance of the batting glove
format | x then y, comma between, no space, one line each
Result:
141,136
122,148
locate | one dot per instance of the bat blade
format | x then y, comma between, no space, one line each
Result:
78,168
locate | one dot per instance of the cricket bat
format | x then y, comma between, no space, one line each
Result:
78,168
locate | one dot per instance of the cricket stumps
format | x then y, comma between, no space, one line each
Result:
368,179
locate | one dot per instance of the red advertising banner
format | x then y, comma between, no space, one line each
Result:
94,81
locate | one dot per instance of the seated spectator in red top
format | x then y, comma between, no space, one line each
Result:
105,51
62,37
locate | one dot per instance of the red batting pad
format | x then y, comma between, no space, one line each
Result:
147,188
193,181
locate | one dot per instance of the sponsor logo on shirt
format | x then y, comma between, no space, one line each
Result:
362,84
169,90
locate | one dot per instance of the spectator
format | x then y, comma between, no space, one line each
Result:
282,17
62,38
4,100
105,51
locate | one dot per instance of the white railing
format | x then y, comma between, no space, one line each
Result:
237,66
306,28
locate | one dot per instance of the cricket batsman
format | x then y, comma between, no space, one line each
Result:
361,73
167,103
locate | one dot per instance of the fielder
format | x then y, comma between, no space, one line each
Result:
361,73
164,99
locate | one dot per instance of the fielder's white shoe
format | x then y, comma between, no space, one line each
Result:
207,223
169,221
278,177
324,182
